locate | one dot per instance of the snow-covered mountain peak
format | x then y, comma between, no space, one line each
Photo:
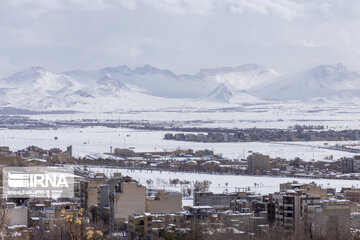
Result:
336,72
220,94
53,82
23,77
323,81
107,85
39,89
242,77
148,69
115,70
37,79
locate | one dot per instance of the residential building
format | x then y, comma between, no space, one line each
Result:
289,207
213,199
329,218
356,164
310,188
127,198
351,194
125,153
140,226
258,164
89,190
164,202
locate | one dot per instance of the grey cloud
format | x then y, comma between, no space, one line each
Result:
181,35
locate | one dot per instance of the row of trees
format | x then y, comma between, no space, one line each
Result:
187,187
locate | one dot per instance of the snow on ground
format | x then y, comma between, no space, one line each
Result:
95,141
264,184
274,115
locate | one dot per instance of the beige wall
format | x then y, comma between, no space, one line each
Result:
164,203
92,192
131,200
317,190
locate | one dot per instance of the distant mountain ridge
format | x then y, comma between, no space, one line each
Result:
145,87
222,94
323,81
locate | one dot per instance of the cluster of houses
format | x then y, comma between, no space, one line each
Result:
344,168
297,208
255,164
105,201
196,160
178,153
35,155
261,134
120,205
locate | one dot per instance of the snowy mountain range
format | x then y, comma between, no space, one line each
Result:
147,87
323,81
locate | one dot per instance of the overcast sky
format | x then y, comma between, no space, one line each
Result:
181,35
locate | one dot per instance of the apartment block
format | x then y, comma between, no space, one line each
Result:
356,164
213,199
126,199
308,188
258,164
89,190
351,194
289,207
330,218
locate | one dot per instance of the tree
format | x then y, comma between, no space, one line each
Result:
149,182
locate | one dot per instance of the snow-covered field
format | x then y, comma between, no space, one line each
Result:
264,184
97,140
333,115
260,116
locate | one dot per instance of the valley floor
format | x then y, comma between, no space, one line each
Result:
94,141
